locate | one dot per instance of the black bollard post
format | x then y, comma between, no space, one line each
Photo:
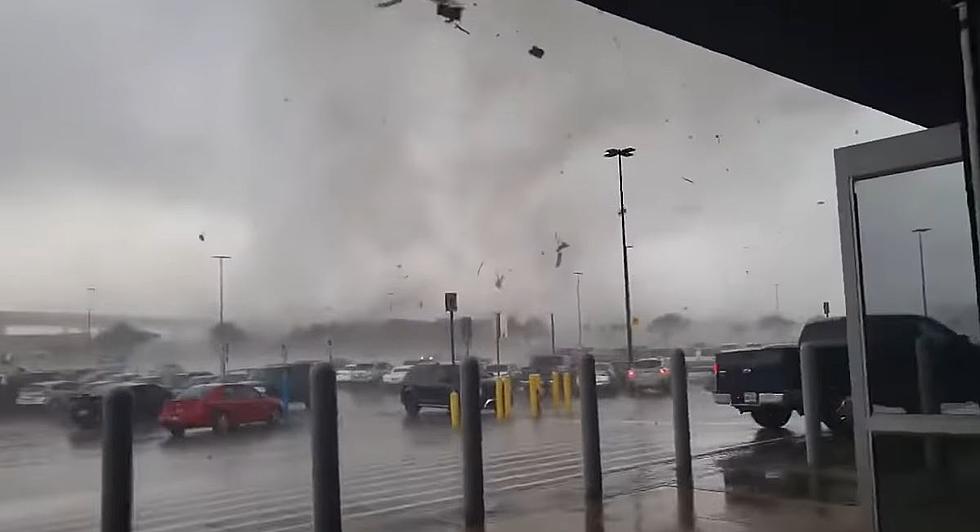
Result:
326,461
591,458
117,461
473,510
682,422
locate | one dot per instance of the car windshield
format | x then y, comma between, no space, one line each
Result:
364,366
194,392
649,363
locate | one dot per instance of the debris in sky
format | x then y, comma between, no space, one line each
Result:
201,237
498,35
718,139
421,304
616,42
462,29
399,266
690,137
855,132
286,99
387,3
536,52
449,10
562,245
478,270
687,179
405,276
758,120
821,202
499,281
666,120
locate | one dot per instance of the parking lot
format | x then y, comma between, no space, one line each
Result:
258,478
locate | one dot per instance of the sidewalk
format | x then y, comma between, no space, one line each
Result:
656,511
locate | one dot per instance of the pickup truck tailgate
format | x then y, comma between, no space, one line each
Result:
757,370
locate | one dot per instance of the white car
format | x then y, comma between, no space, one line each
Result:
344,373
396,375
369,372
52,393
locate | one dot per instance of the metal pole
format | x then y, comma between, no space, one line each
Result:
325,441
117,461
578,304
553,333
682,422
221,291
452,337
626,269
498,338
970,104
473,509
811,402
922,276
591,458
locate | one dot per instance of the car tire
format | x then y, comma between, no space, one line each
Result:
177,432
275,417
411,406
771,417
221,423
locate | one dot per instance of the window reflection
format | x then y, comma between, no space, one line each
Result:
919,288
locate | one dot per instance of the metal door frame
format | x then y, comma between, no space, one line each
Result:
912,151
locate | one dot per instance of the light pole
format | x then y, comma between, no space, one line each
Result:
390,302
777,297
619,153
922,268
578,303
222,365
90,292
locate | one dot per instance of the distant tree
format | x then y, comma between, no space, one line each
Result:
776,325
666,325
227,332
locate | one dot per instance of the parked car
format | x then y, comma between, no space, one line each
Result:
11,383
85,409
220,406
345,372
396,376
648,374
54,395
606,379
764,382
291,379
429,386
505,370
545,365
369,372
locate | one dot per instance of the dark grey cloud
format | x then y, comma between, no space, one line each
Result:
322,143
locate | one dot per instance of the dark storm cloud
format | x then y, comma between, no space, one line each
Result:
322,143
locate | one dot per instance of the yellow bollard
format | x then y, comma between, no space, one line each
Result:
555,390
566,388
534,391
498,399
454,409
508,398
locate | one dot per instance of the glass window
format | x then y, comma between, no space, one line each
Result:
926,482
649,363
194,392
919,285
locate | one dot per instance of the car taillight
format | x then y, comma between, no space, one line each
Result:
664,371
714,368
631,374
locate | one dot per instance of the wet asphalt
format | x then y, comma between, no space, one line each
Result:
394,469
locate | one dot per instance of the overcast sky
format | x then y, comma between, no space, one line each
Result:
321,144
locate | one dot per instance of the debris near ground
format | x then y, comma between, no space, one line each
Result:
536,52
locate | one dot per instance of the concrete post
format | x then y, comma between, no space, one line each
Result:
117,461
682,422
473,509
326,459
810,377
591,457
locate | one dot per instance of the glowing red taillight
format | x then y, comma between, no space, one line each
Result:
664,371
714,368
631,374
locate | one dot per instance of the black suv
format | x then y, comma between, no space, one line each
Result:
429,385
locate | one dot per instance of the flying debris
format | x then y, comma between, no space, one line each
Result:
201,237
499,281
718,139
399,266
690,137
855,132
462,29
689,180
388,3
821,202
421,304
449,10
562,245
286,99
536,52
478,270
